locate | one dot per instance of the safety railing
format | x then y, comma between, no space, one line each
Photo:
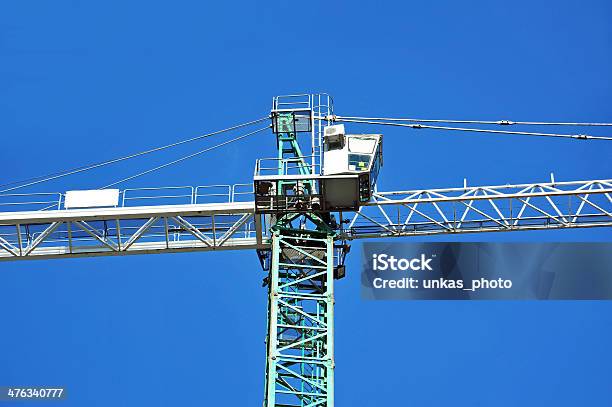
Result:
213,194
286,166
298,101
32,201
157,196
242,192
154,196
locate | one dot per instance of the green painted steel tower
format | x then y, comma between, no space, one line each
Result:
301,261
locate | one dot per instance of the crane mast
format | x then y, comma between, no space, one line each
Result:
300,262
300,213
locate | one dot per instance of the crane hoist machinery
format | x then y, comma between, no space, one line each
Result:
299,212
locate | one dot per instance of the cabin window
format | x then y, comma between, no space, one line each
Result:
359,162
335,142
362,145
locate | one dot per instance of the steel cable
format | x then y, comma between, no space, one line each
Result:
497,122
184,158
61,174
424,126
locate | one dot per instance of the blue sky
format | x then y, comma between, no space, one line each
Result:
87,81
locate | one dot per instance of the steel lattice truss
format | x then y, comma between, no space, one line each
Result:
300,352
235,225
484,209
136,230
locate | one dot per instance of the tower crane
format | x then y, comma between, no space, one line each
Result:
299,213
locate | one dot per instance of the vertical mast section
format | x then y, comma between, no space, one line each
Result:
300,352
300,342
304,114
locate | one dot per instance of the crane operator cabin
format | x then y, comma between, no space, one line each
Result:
343,180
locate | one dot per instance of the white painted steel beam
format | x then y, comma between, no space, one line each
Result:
235,226
498,208
130,230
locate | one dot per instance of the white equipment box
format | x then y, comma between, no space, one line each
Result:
94,198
